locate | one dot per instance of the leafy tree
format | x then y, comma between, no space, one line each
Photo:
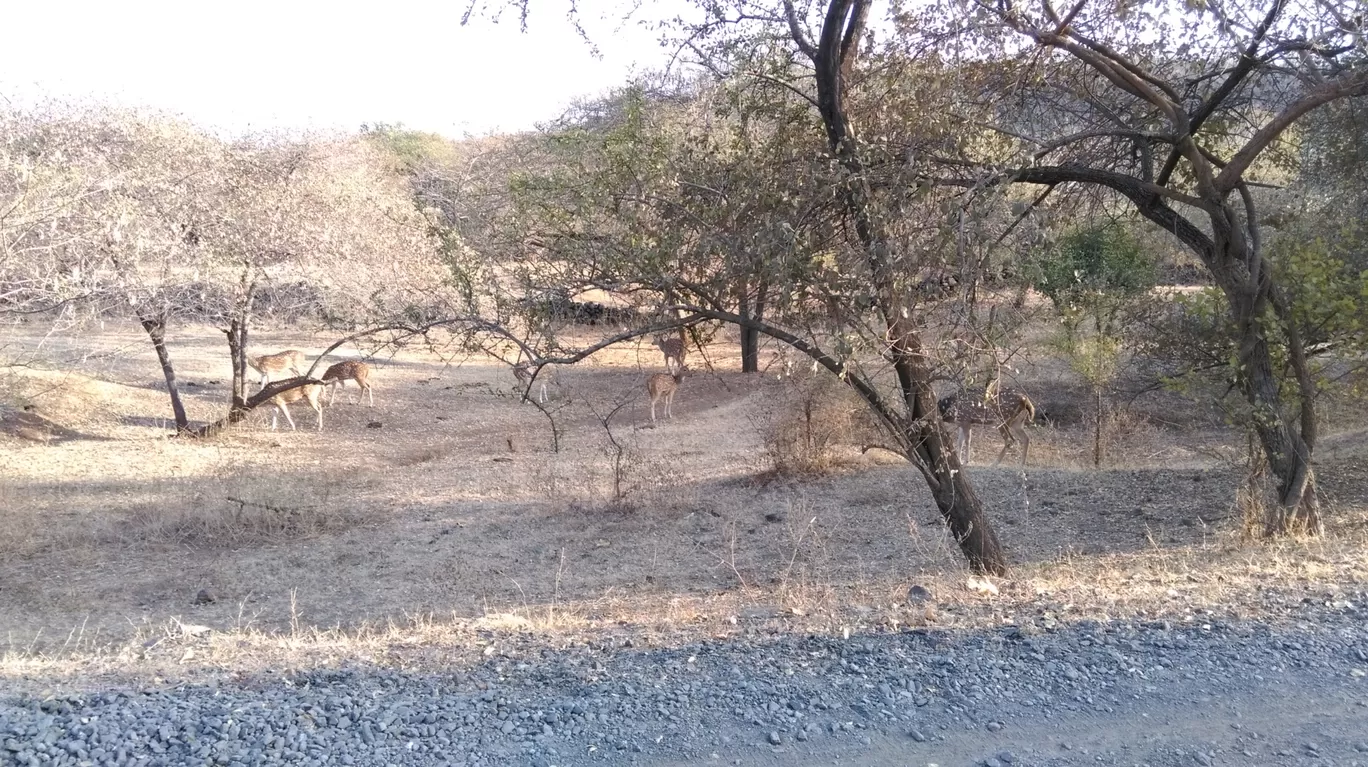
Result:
1092,277
1183,130
778,186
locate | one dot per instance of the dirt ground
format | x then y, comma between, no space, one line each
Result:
447,499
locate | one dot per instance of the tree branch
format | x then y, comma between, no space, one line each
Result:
1349,86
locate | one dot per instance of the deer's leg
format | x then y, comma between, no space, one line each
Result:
1012,432
653,404
966,433
317,404
280,408
370,393
1006,445
1025,439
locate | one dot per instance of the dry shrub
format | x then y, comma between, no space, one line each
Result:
804,423
1128,436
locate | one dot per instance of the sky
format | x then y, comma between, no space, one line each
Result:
254,65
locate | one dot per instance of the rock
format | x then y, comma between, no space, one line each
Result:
918,594
774,738
204,597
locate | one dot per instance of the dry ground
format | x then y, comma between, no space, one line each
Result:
444,509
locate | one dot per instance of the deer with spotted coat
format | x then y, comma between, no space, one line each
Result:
1008,410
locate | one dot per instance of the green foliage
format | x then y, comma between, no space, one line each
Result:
1093,274
411,149
1327,282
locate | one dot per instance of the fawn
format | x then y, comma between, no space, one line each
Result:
349,370
524,371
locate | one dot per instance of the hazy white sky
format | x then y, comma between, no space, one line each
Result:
259,64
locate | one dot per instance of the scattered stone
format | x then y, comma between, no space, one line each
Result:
205,597
918,594
774,738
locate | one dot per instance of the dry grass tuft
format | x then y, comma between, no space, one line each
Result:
262,518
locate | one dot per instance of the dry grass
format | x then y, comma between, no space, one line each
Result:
454,527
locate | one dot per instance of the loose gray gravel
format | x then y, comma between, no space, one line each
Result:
1087,693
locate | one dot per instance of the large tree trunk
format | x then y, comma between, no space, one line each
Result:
752,309
750,350
833,56
956,500
750,337
1231,253
156,330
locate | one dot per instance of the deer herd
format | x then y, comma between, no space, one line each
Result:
272,367
1008,410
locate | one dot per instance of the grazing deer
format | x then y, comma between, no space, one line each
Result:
1008,409
524,371
662,386
349,370
269,365
311,393
673,349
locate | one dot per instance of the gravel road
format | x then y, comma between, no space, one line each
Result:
1218,693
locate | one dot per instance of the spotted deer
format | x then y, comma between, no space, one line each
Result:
524,371
271,366
311,393
349,370
662,386
673,349
1010,410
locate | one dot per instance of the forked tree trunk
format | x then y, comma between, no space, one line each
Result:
1287,450
156,330
1287,447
